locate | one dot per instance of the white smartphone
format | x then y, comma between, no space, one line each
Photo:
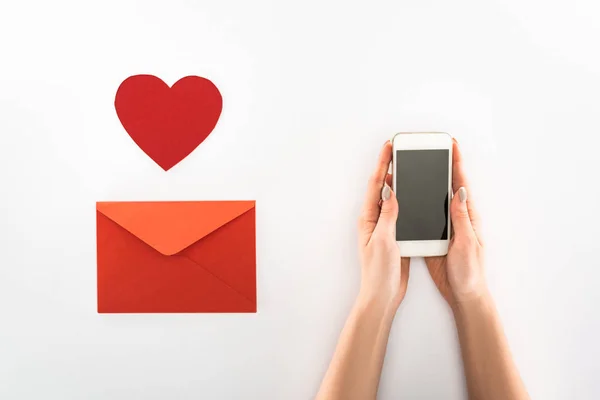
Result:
422,182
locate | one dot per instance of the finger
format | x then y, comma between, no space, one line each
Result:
459,180
386,224
370,212
458,177
460,215
388,180
405,272
388,177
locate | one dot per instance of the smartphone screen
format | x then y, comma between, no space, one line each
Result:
422,192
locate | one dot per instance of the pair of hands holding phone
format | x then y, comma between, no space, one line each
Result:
355,368
459,276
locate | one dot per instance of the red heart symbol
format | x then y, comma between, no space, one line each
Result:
168,123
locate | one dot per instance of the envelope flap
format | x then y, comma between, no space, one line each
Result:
169,227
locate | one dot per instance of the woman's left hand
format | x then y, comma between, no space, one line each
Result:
355,369
384,276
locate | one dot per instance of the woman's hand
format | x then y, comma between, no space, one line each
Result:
459,276
382,277
355,369
489,367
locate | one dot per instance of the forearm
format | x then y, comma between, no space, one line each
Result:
489,366
356,366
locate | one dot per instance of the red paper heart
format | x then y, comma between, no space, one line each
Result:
168,123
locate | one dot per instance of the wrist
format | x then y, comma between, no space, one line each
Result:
477,304
470,294
376,304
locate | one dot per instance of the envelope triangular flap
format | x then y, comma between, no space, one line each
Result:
171,226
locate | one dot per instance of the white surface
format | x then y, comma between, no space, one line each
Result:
424,141
516,81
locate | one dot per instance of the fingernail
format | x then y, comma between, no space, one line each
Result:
386,193
455,140
462,194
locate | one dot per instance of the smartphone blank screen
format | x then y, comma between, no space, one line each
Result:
422,192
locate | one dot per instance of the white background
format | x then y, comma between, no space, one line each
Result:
311,91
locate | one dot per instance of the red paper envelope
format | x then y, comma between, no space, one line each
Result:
176,257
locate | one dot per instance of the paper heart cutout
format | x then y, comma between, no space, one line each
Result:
168,123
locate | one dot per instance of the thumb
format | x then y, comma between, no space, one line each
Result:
460,214
386,224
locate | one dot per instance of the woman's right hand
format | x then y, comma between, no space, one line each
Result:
459,276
